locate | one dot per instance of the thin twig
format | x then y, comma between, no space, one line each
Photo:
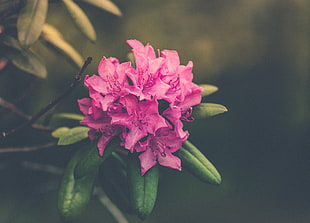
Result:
43,167
20,113
13,108
27,149
112,208
34,118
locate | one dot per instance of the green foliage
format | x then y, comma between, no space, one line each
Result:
196,163
204,110
80,19
74,194
72,116
23,59
30,27
142,189
208,89
54,39
92,160
30,21
69,136
106,5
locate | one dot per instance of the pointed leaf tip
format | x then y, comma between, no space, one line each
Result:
204,110
208,89
195,162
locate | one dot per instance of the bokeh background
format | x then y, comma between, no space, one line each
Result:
257,52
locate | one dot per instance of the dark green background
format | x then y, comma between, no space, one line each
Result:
256,52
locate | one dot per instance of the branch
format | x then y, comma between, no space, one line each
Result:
27,149
104,199
76,81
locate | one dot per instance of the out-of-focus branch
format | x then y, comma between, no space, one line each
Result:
27,149
34,118
112,208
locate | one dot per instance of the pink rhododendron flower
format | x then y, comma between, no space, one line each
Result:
158,148
141,118
145,105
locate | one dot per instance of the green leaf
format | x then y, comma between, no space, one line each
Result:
73,116
208,89
24,59
106,5
196,163
80,19
51,36
30,21
72,135
204,110
57,133
92,160
142,189
74,194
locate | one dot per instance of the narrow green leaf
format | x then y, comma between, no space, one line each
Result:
80,19
73,135
142,189
92,160
73,116
24,59
208,89
74,194
196,163
30,21
55,40
57,133
204,110
106,5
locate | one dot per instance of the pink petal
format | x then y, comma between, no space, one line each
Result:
147,161
169,160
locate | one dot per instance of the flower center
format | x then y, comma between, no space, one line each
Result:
140,121
186,115
114,86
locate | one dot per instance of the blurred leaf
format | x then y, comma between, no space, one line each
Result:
55,40
30,21
24,59
72,135
204,110
208,89
142,189
60,131
73,116
106,5
80,19
196,163
74,194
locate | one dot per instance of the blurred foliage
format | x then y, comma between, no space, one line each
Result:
256,51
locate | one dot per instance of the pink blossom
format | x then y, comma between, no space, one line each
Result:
144,105
141,118
158,148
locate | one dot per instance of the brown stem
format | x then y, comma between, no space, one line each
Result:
53,103
27,149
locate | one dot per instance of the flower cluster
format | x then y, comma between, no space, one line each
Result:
143,104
